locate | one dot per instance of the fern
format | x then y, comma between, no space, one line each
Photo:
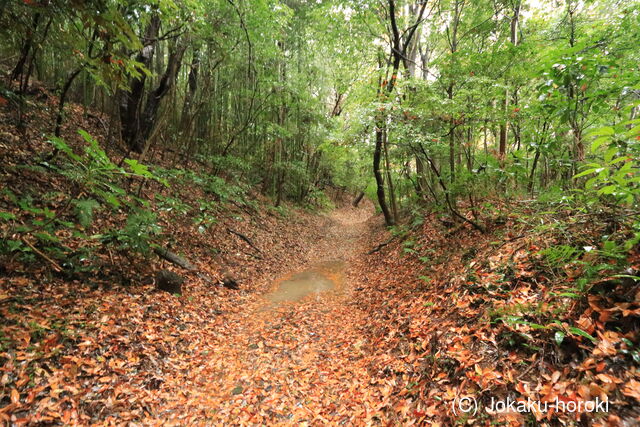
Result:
557,256
84,211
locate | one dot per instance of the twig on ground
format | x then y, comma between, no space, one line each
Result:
55,265
246,239
381,245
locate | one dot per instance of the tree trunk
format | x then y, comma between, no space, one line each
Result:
398,52
377,157
358,198
392,191
502,150
192,85
452,141
148,120
63,97
421,182
18,70
130,109
533,170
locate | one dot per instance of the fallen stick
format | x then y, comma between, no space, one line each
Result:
381,245
174,259
245,238
55,265
166,254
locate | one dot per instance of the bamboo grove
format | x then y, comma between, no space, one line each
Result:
438,102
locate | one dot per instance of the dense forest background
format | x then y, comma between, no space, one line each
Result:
499,141
449,100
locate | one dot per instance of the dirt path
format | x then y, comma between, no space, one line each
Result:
287,361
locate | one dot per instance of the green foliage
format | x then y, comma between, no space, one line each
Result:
94,175
172,204
84,211
617,175
206,216
97,174
223,191
138,233
559,256
318,200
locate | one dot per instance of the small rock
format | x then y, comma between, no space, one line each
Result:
169,281
230,283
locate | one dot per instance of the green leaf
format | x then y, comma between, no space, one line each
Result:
586,172
84,211
608,155
603,131
578,331
138,168
44,236
559,337
609,189
569,295
598,142
15,245
633,131
591,182
7,216
61,145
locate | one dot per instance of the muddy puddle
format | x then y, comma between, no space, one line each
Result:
315,280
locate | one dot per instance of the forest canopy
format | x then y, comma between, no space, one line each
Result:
444,99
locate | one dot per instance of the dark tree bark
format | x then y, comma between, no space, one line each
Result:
167,81
192,86
358,199
130,108
63,98
377,156
452,39
450,205
502,145
421,181
18,70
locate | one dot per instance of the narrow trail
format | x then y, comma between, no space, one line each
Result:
287,361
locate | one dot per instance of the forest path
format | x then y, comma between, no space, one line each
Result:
288,361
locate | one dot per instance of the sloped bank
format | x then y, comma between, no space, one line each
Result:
454,313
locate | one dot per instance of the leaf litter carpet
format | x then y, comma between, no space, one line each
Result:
285,362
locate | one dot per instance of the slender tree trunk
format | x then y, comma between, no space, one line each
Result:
502,146
392,191
533,170
450,205
192,86
63,98
421,182
502,150
18,70
452,141
399,46
357,200
377,156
